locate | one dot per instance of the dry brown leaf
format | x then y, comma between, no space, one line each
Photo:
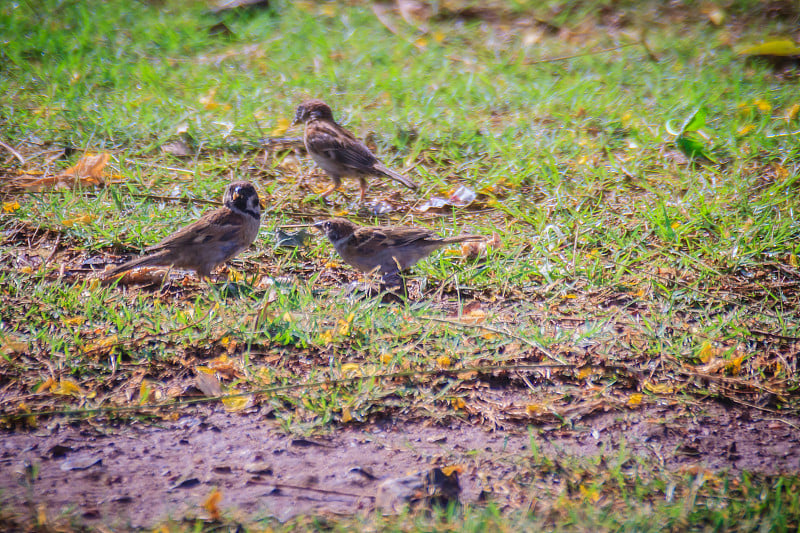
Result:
207,383
88,171
476,249
139,276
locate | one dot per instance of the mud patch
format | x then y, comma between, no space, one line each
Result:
136,476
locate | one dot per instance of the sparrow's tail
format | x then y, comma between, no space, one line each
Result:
156,259
380,167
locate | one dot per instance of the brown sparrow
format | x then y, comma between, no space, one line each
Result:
218,236
337,151
382,248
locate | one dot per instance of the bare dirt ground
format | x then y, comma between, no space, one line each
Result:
144,473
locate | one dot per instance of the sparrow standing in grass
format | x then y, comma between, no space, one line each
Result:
218,236
337,151
385,249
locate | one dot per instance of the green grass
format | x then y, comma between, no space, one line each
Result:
611,241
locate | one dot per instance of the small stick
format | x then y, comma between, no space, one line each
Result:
310,224
13,152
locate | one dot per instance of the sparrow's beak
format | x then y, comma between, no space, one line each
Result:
298,117
319,224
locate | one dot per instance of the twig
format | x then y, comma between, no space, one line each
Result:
774,335
312,489
783,421
175,199
643,42
495,330
380,14
789,134
295,225
13,152
686,286
53,253
153,165
589,53
287,387
136,340
725,379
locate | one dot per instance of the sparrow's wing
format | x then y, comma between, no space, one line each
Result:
339,145
218,225
390,237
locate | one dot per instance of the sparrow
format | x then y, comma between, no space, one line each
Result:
218,236
337,151
388,250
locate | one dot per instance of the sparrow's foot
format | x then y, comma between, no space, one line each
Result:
393,287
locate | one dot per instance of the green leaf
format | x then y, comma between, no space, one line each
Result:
694,122
693,148
668,231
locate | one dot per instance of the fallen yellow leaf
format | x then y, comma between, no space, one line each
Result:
346,416
75,320
237,403
781,47
735,365
46,384
66,387
326,337
452,469
443,361
208,100
589,494
763,105
82,219
744,130
706,352
659,388
791,113
144,391
212,504
235,276
281,127
635,399
102,344
10,207
351,369
533,408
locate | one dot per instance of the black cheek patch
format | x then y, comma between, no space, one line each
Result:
241,202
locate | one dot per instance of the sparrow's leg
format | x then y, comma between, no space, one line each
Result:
335,185
394,286
363,184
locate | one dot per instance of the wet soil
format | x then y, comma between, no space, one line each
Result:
136,475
